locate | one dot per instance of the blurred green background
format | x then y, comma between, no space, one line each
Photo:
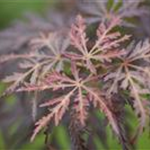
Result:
14,9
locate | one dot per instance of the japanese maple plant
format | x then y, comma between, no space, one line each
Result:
107,73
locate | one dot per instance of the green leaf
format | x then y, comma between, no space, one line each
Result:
62,138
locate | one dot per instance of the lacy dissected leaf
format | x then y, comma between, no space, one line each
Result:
46,54
57,112
105,47
99,10
134,64
76,88
131,74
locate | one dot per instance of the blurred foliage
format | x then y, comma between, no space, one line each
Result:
14,9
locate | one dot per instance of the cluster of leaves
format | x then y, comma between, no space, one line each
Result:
105,10
88,74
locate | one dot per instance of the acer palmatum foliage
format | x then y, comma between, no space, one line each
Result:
45,54
105,47
100,10
131,74
18,35
88,74
83,96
